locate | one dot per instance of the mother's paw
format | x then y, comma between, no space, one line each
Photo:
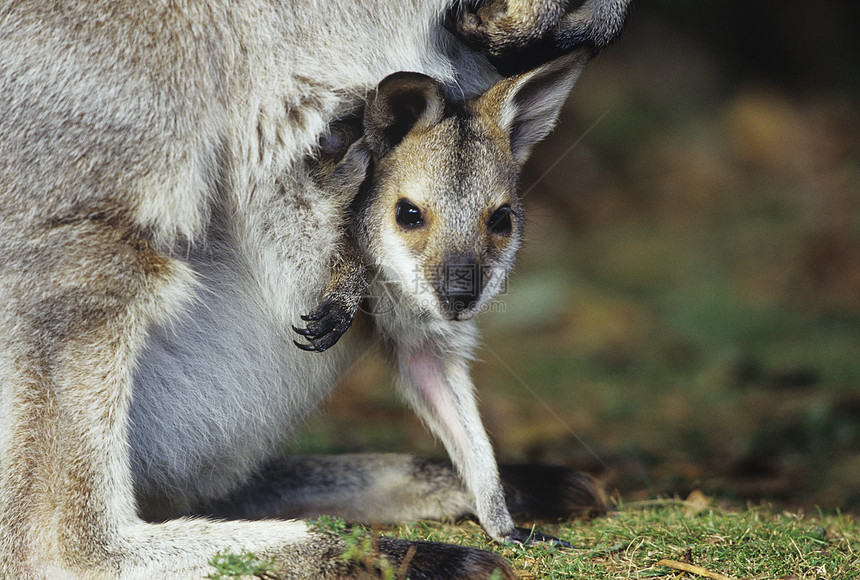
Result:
502,27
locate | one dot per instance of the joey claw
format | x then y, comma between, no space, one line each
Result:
529,537
307,347
325,325
302,331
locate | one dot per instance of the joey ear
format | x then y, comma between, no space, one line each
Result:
527,106
403,101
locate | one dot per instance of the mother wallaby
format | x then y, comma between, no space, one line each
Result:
159,234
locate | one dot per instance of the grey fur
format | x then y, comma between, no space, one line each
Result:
159,234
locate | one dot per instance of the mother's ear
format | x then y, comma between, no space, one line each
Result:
403,101
526,106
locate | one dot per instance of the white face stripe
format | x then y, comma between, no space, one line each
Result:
398,259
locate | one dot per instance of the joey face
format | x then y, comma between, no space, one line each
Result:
441,214
444,216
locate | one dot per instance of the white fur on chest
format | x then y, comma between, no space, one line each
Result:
224,378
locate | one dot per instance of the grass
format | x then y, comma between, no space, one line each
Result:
242,565
648,539
755,543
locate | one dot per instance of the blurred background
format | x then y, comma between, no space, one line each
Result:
686,314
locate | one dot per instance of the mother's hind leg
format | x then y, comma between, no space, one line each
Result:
78,295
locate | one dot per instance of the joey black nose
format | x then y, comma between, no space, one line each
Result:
461,286
459,303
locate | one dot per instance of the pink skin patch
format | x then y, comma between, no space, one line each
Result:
430,381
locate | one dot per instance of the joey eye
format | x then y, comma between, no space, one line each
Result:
500,221
408,215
